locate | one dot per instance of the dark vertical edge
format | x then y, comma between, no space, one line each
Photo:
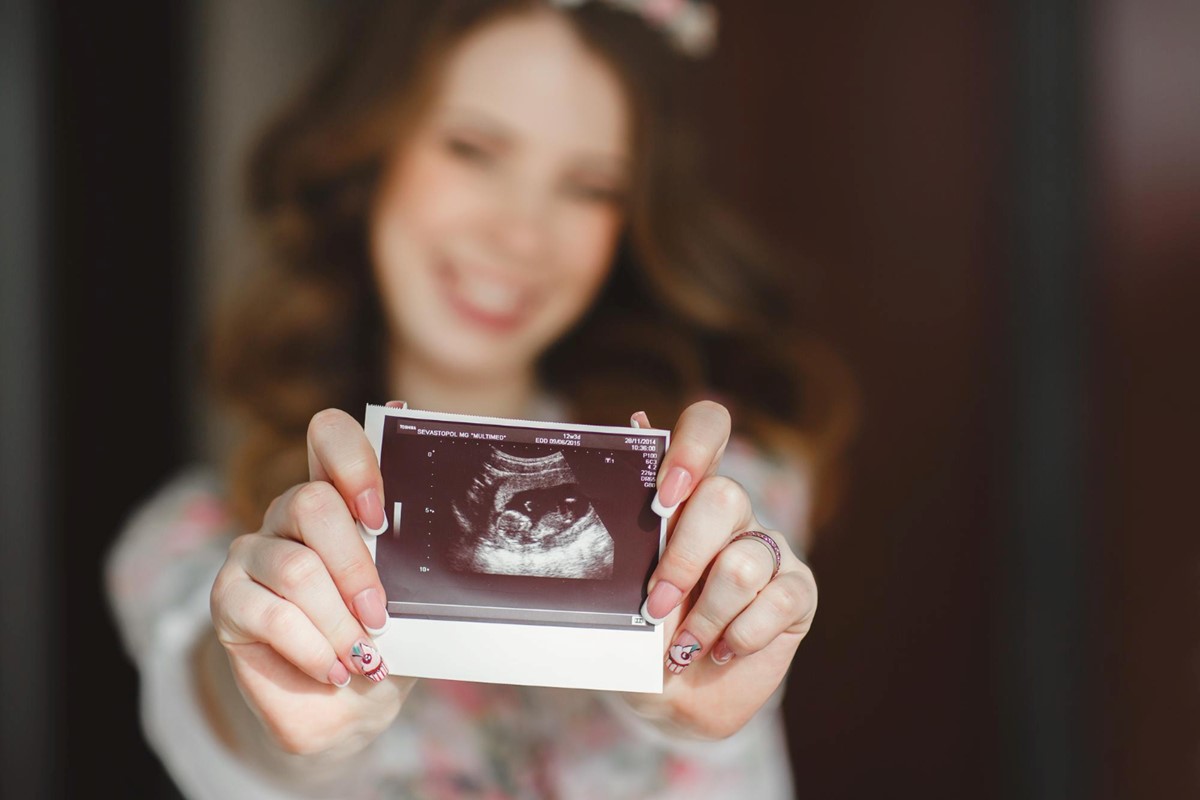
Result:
29,715
190,30
115,289
1046,569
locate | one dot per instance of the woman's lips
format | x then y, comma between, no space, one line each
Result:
493,304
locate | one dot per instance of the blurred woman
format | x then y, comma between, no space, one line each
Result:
488,208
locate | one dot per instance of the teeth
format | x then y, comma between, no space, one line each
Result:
489,296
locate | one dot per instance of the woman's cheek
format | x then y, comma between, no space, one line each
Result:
436,190
591,238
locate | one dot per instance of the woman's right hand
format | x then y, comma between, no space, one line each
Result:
293,603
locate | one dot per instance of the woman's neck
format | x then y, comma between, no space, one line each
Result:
424,387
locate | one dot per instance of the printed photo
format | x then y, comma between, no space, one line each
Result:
518,523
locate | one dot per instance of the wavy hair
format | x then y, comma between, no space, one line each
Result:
694,307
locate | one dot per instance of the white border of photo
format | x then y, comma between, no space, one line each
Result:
511,653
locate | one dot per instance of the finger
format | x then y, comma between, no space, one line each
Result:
697,443
787,605
297,574
245,612
315,515
718,507
339,453
738,573
396,404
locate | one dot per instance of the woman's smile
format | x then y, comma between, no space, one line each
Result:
484,298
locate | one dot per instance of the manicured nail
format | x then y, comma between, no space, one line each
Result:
371,611
660,602
639,420
721,653
339,676
368,660
370,512
673,488
680,656
396,404
633,422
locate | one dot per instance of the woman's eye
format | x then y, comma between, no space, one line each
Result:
591,193
468,150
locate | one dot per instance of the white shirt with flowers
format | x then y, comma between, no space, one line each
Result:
451,739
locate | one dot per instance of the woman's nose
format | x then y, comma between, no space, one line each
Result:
521,223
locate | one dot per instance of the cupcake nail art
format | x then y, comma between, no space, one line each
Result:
679,656
369,662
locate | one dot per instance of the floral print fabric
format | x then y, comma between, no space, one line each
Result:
451,739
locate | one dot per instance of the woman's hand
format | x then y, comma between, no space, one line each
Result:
295,603
732,625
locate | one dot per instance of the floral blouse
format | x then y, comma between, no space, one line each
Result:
451,739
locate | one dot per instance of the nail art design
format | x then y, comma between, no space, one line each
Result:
368,660
679,657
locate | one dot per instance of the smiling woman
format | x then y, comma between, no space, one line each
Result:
587,152
491,208
497,220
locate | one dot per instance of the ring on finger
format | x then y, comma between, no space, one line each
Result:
766,541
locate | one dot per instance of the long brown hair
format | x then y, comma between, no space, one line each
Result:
694,307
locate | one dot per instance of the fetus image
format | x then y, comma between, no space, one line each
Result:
529,516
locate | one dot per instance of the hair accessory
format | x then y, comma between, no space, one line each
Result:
691,26
767,541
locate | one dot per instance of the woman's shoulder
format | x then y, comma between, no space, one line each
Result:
185,511
192,494
169,543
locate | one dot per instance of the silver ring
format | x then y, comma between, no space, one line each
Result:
766,541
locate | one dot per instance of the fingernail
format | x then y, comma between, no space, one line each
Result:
370,512
366,657
633,422
721,653
339,676
673,488
680,656
660,602
639,420
396,404
371,611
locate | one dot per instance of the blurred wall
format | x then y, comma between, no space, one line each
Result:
1146,432
245,60
114,271
867,137
28,709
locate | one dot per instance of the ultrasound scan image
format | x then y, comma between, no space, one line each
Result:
518,524
529,516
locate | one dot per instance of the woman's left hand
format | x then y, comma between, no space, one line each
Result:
732,623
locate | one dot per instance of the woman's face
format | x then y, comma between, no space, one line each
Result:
495,224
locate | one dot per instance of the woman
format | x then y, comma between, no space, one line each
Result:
489,208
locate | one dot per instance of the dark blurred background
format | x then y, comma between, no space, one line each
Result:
1003,200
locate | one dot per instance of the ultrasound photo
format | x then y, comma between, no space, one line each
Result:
517,550
530,516
507,522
